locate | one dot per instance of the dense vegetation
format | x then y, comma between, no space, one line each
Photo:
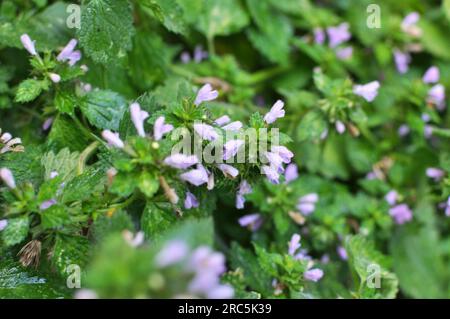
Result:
349,199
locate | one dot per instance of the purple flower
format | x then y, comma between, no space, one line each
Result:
294,244
425,117
160,128
402,60
275,161
138,117
196,176
338,34
409,24
204,260
7,177
53,174
113,139
368,91
344,53
235,126
436,96
342,253
447,207
199,54
173,252
435,173
28,44
244,189
231,148
340,127
190,201
206,131
3,224
428,131
223,120
401,214
291,173
47,204
185,57
403,130
271,173
206,93
252,221
47,123
68,53
282,151
5,137
228,170
181,161
319,36
431,75
275,112
56,78
391,197
307,203
314,274
210,183
220,292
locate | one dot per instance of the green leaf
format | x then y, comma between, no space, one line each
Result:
417,260
104,109
157,218
64,163
169,13
82,186
54,217
435,40
66,134
312,125
366,262
70,250
16,231
30,89
65,102
106,225
106,29
148,184
222,18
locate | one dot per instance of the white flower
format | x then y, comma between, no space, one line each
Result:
138,117
7,177
206,93
113,139
275,112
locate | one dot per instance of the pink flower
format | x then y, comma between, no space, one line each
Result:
231,148
28,44
294,244
56,78
391,197
172,253
271,174
7,177
402,60
138,117
342,253
436,96
252,221
368,91
196,176
319,36
340,127
313,274
160,128
206,93
431,75
235,126
344,53
338,34
3,224
409,24
228,170
435,173
244,189
190,201
181,161
113,139
223,120
401,214
206,132
291,173
68,53
275,112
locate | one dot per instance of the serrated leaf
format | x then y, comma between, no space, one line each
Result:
106,29
54,217
169,13
16,231
30,89
65,102
104,109
66,134
148,184
82,186
312,126
70,250
157,218
64,163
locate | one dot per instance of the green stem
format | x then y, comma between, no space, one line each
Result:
88,151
